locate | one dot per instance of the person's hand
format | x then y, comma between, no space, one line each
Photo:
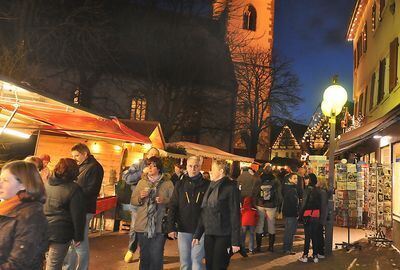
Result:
145,170
235,249
76,244
144,193
195,242
173,235
159,200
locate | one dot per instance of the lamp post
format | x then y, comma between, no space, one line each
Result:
335,96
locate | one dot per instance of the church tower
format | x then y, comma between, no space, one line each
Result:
249,25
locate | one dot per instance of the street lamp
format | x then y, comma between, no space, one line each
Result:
335,96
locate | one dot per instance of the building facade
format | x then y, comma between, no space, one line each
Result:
374,31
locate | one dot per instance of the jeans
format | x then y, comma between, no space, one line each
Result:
151,251
132,245
218,251
321,240
290,231
250,229
78,257
190,257
311,234
270,215
56,255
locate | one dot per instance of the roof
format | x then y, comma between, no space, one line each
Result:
356,18
36,111
208,151
297,129
146,128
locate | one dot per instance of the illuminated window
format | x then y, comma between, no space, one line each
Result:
138,108
249,18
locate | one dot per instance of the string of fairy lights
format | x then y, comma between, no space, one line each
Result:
283,139
317,133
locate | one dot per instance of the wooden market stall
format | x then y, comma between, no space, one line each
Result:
57,126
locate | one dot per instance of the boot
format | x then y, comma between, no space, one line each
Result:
258,242
271,242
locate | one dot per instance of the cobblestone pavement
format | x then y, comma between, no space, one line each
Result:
107,252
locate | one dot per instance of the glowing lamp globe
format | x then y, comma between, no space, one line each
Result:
335,95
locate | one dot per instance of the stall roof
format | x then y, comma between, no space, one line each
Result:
208,151
150,129
35,111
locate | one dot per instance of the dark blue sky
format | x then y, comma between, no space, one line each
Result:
312,33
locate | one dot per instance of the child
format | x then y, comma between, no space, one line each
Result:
249,221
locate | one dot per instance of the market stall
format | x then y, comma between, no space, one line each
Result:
57,126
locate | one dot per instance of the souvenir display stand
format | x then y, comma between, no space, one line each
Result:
380,203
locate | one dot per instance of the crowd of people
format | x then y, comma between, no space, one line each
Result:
48,212
210,214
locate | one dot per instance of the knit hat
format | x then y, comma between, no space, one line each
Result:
313,179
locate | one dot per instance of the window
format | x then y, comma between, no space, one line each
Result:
372,92
394,45
381,8
138,108
373,15
381,80
364,35
359,49
355,59
249,18
361,104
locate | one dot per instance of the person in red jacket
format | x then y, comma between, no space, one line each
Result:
249,221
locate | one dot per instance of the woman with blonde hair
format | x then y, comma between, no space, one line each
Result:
23,235
220,218
322,186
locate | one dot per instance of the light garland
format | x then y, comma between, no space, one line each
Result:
277,144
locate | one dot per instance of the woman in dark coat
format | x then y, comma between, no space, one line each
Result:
64,211
220,218
23,234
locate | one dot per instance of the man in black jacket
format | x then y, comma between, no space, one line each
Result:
290,211
90,179
184,214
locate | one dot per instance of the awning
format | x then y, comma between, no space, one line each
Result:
208,151
38,112
357,136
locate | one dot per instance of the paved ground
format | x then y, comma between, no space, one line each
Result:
107,253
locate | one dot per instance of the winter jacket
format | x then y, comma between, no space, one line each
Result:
90,178
311,201
64,211
249,213
270,192
132,175
185,205
175,178
290,206
223,219
324,206
164,191
249,185
23,237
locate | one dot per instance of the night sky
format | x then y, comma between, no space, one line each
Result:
312,33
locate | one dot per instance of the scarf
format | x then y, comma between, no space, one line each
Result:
211,196
196,179
8,205
152,206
